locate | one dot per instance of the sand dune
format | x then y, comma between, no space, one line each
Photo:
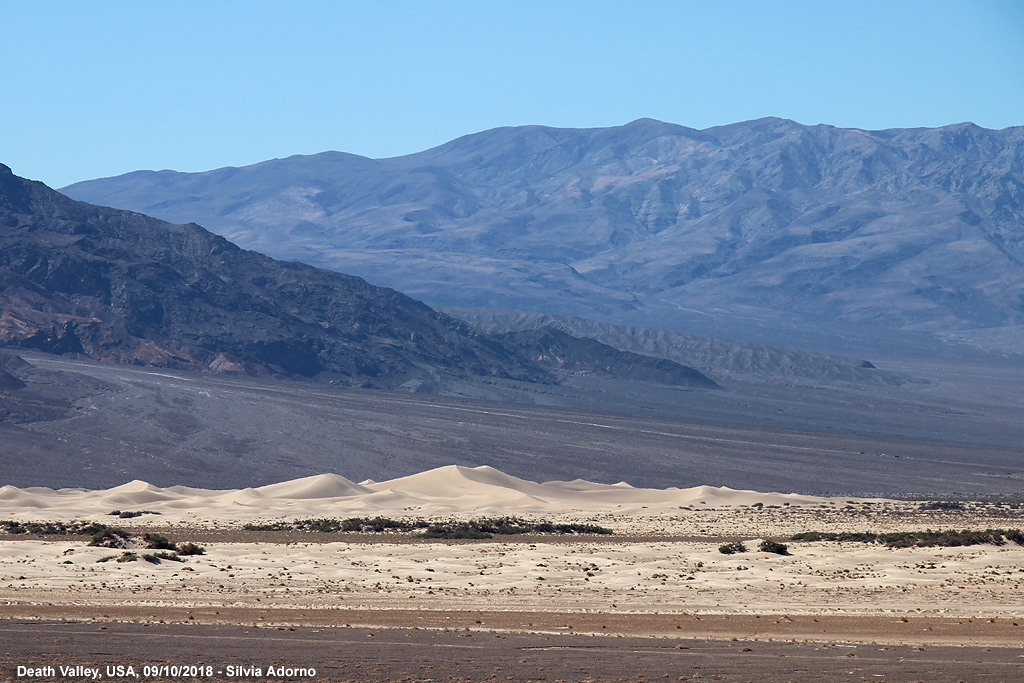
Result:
446,490
317,486
663,559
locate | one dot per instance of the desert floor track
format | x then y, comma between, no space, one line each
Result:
378,655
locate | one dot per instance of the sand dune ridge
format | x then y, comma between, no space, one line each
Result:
454,489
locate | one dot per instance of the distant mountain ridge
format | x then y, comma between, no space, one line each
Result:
119,286
652,224
716,357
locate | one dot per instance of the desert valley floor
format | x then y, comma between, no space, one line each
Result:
938,448
850,610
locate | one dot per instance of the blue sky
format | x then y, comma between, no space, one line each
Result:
96,89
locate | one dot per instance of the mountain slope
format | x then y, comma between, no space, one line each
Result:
718,357
653,224
557,349
120,286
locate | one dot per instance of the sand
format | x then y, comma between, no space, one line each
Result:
662,564
451,490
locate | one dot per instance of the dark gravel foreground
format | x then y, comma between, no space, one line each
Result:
414,655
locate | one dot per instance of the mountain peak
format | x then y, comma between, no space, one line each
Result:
647,224
646,122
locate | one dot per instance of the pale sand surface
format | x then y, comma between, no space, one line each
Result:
661,574
451,490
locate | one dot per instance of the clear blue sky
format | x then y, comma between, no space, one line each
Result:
100,88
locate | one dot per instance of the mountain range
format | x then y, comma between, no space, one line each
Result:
119,286
717,357
766,230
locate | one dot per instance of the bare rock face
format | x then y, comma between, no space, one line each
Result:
119,286
767,222
224,364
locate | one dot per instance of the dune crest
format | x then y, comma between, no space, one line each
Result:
317,486
453,489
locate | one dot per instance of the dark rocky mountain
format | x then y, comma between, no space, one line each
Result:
119,286
557,349
768,230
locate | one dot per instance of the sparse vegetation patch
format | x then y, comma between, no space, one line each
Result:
460,530
103,536
131,514
158,542
732,548
950,505
156,558
190,549
110,537
53,528
920,539
773,547
483,528
329,525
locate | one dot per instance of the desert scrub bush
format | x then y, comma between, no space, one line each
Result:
110,537
128,557
157,558
131,514
1014,536
164,555
732,548
948,505
773,547
190,549
158,542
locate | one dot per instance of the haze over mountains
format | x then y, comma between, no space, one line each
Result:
766,230
120,286
592,399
